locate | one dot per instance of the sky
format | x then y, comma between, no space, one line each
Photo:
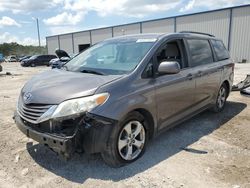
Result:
18,17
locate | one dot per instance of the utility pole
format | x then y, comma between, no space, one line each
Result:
38,32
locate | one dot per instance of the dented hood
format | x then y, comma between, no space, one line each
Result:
56,86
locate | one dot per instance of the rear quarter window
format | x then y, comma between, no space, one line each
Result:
200,52
220,50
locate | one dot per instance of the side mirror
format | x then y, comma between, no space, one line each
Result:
169,67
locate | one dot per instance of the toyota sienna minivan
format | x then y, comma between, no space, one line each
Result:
118,94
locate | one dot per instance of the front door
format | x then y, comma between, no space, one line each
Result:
174,92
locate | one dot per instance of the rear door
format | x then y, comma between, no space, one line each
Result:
44,59
38,60
206,72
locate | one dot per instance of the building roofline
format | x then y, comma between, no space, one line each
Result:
158,19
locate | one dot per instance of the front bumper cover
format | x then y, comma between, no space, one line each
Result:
90,135
63,145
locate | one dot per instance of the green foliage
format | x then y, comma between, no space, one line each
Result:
16,49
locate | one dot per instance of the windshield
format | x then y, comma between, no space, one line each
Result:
111,57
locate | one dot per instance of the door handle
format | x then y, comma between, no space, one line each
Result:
190,76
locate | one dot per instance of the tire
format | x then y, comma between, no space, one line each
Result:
221,99
33,65
121,144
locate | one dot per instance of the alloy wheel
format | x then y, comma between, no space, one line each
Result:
131,140
221,97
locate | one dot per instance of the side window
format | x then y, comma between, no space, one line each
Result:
43,57
220,50
172,51
200,52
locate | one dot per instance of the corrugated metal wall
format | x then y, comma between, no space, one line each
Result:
52,43
80,38
159,26
240,34
66,43
126,30
100,34
214,22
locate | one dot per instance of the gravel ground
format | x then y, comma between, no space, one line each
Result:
209,150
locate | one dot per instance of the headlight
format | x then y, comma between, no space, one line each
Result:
80,105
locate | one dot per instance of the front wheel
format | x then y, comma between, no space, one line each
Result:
221,98
127,141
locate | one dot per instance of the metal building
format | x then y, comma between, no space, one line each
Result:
232,25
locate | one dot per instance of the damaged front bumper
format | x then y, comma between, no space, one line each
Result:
88,133
64,146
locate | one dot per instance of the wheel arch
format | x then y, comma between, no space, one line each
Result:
226,82
149,118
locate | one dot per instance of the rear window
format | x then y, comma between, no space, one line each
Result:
220,50
200,52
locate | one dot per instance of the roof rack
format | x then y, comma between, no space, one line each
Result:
200,33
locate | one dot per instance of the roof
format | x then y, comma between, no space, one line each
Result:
161,35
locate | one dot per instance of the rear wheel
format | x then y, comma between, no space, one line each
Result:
221,98
127,141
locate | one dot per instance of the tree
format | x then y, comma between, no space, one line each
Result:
14,48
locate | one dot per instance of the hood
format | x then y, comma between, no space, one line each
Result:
56,86
61,53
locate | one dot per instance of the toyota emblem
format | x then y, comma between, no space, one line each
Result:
27,98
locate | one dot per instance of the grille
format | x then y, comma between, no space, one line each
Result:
32,112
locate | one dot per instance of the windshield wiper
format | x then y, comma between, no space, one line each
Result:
91,72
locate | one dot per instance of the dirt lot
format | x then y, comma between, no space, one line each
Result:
209,150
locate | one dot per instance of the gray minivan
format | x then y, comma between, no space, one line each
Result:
115,96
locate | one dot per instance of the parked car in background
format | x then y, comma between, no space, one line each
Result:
11,58
24,57
1,58
62,58
1,68
115,96
37,60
